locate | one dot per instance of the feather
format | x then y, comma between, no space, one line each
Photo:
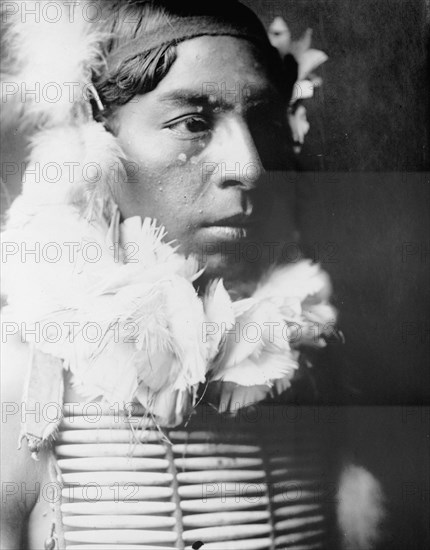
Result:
158,370
147,238
102,169
52,55
246,373
262,370
276,314
185,313
146,258
360,509
219,315
155,299
276,365
53,179
310,60
49,66
169,408
75,167
242,306
217,304
301,279
246,338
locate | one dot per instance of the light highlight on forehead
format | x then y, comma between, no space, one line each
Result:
225,98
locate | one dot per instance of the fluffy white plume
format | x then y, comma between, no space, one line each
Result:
137,329
219,316
55,176
301,280
289,309
118,326
52,48
360,510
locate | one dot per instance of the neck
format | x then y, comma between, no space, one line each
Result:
240,281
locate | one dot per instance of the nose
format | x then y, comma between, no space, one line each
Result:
239,162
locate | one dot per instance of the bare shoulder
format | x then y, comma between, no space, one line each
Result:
15,359
19,472
15,363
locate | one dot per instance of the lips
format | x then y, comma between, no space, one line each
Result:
225,233
238,227
237,220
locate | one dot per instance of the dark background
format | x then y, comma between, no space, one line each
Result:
372,111
364,214
364,205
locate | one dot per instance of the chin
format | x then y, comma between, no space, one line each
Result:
218,266
236,275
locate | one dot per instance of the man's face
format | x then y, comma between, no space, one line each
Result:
200,147
280,36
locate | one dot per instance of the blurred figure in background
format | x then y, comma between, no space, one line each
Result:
308,59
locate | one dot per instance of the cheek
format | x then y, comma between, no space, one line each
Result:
165,176
158,147
183,192
164,165
173,193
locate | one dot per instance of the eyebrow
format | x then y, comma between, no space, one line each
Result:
186,97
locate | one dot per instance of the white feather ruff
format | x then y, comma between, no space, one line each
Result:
134,327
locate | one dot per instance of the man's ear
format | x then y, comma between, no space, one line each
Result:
109,120
102,112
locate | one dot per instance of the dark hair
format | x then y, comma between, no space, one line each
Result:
123,20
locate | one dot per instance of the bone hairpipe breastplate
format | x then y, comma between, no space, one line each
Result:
260,480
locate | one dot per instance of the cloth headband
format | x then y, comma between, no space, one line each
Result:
241,22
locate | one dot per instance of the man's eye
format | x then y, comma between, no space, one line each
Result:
190,125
